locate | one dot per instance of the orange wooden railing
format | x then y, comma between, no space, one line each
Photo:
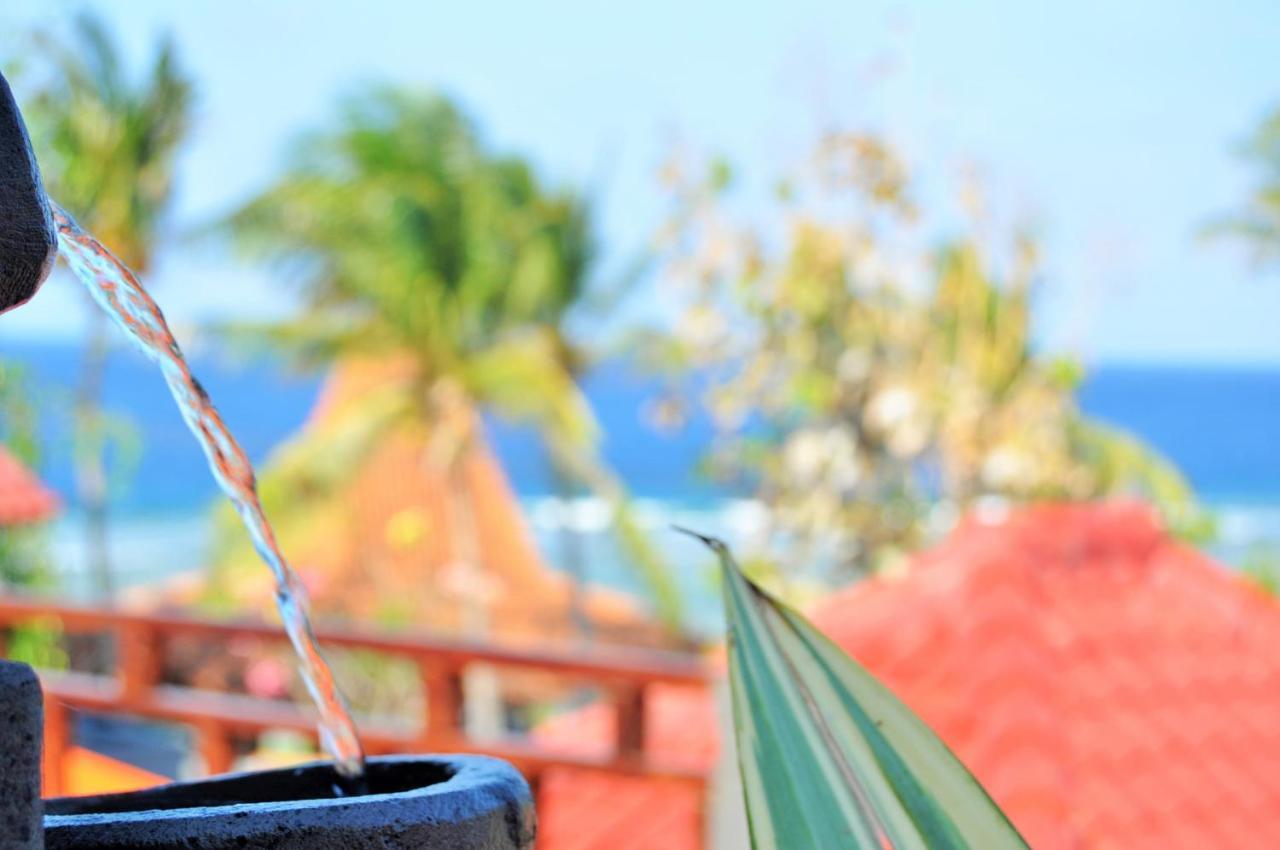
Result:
134,687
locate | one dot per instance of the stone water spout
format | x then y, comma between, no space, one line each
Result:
28,241
411,802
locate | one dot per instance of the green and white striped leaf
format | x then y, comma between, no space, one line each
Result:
829,757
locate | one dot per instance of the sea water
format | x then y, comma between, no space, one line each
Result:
117,291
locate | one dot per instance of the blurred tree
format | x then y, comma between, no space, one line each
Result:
869,386
1261,565
1257,222
24,561
107,147
414,243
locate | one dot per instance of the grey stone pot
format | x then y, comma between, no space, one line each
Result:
410,802
21,729
414,803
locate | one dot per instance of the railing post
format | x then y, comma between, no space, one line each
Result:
137,661
629,705
141,642
215,747
57,740
534,778
443,694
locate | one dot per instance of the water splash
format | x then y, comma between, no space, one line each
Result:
117,291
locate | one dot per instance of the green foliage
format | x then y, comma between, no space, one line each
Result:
1257,222
1261,566
411,240
408,235
39,644
1119,462
828,756
107,144
24,560
873,381
18,432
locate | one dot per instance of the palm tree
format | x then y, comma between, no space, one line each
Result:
1257,221
107,145
413,242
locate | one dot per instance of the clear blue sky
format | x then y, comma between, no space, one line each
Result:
1112,124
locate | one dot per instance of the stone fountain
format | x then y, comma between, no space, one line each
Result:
461,802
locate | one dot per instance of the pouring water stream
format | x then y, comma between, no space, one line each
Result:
117,291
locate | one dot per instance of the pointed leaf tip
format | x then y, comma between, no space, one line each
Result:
831,758
715,544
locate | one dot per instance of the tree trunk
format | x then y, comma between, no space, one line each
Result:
571,558
91,471
457,430
482,712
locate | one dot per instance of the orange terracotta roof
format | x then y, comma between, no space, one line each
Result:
392,540
1111,687
23,498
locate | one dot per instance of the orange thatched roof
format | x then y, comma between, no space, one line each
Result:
388,545
23,498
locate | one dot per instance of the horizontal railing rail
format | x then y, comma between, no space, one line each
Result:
134,687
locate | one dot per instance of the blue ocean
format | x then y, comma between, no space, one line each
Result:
1217,424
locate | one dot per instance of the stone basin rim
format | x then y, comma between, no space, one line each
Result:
472,785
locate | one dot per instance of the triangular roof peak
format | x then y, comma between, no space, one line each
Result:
1102,679
23,499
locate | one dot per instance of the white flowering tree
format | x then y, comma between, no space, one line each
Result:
871,386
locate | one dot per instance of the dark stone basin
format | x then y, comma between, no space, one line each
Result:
413,802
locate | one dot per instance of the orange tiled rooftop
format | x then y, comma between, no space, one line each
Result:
23,499
1110,686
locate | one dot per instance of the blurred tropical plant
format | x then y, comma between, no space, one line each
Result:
107,145
1257,222
18,415
413,243
24,560
870,386
1261,566
829,757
